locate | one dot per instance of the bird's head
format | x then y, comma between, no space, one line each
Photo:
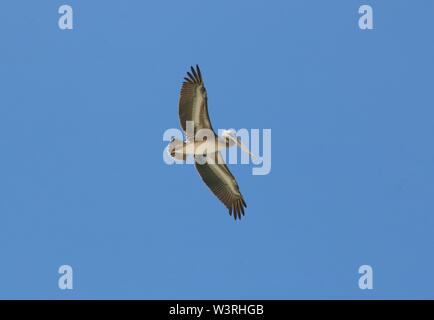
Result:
231,138
230,133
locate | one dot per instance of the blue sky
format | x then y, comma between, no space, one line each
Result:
82,180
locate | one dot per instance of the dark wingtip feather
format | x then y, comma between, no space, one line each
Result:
239,209
195,74
244,203
190,76
199,73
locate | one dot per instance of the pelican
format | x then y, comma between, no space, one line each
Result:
193,111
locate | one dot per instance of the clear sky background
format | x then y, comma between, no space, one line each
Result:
82,180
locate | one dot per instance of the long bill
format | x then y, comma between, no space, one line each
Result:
242,147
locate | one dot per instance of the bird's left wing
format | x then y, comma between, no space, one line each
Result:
222,183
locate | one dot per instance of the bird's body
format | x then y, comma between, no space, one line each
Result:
193,110
198,148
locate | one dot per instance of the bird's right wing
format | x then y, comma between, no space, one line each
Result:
193,102
222,183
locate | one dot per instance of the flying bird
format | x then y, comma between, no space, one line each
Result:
193,108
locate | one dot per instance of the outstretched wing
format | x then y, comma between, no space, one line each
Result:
222,183
193,102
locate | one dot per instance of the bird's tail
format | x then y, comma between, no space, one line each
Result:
176,149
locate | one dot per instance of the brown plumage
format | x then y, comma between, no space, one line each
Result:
193,106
